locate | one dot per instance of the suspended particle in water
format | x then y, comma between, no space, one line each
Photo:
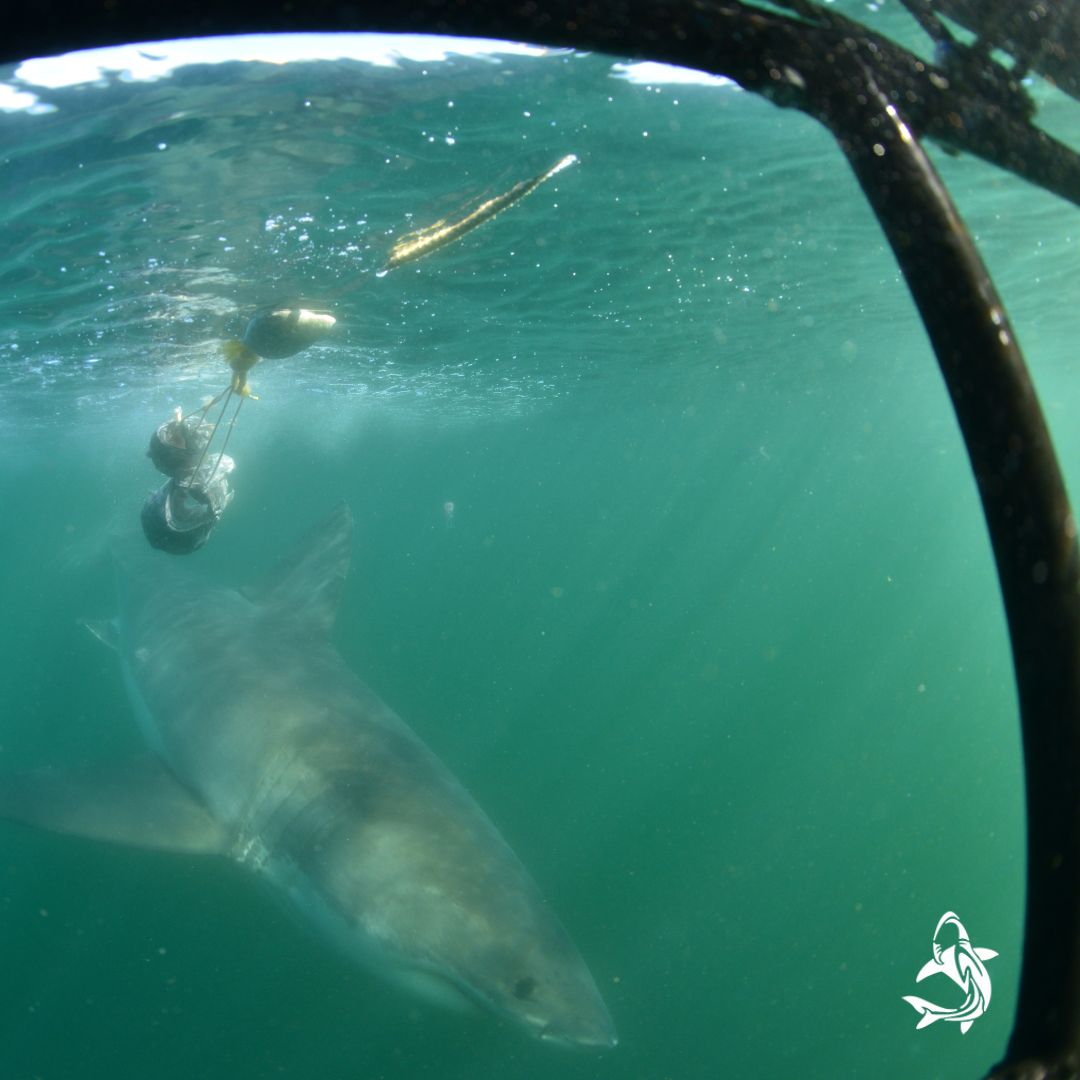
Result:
448,514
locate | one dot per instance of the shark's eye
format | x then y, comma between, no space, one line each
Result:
524,988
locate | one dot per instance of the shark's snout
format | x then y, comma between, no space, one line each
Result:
581,1024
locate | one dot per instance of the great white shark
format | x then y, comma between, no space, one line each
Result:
265,748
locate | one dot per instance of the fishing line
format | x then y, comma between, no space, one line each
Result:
187,482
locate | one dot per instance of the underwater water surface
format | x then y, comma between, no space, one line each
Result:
666,543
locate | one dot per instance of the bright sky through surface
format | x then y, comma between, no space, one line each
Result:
148,62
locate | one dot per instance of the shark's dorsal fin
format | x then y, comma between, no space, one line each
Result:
310,580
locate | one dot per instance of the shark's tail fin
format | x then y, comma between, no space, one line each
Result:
930,1011
310,580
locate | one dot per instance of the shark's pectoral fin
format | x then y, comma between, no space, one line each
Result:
136,802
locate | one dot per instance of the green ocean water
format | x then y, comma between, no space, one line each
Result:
712,631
